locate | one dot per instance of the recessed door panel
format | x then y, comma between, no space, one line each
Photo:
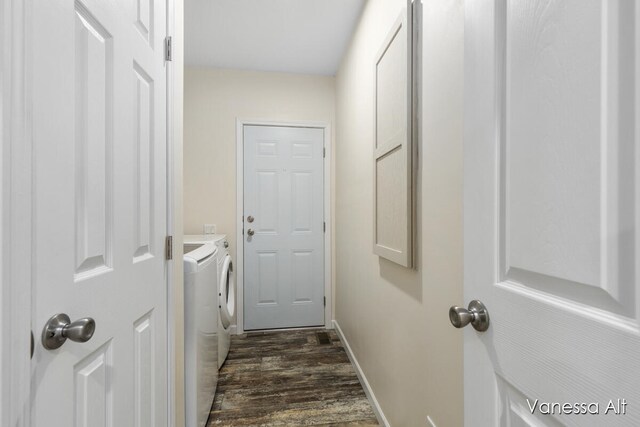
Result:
566,205
302,275
93,140
144,129
267,148
93,389
267,182
268,278
144,19
144,371
302,201
302,150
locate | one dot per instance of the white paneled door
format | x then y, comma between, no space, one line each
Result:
283,227
99,132
552,210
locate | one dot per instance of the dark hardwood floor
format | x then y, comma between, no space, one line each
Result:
289,379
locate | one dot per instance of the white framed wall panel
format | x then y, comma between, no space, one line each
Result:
393,149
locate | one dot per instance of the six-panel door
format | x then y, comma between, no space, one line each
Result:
552,202
98,85
284,258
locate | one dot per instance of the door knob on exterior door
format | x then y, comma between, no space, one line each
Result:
250,232
250,218
476,314
60,328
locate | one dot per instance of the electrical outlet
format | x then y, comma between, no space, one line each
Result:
209,229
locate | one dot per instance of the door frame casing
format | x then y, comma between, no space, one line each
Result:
173,84
328,283
16,215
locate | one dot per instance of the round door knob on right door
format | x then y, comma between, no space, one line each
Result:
476,314
250,232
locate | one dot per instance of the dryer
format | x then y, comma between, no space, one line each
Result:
226,298
201,330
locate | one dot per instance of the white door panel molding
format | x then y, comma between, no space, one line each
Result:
395,132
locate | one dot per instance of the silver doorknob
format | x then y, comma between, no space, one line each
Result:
60,328
476,314
250,218
250,232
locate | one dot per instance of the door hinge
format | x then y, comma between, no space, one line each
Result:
324,152
325,301
324,227
168,49
168,248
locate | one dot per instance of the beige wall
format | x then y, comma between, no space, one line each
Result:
396,319
214,98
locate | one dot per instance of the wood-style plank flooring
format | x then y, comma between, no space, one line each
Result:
289,379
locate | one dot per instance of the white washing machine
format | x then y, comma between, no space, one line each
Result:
201,330
226,292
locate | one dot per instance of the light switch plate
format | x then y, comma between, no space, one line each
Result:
209,229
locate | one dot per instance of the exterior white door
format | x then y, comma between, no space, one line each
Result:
99,114
283,227
552,209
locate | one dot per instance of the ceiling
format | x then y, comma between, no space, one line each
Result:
295,36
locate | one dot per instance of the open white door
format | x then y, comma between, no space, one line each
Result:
552,208
99,113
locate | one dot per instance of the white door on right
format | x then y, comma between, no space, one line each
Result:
552,207
283,227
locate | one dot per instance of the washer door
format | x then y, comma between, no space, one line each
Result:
227,292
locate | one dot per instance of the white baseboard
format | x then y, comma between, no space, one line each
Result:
363,380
